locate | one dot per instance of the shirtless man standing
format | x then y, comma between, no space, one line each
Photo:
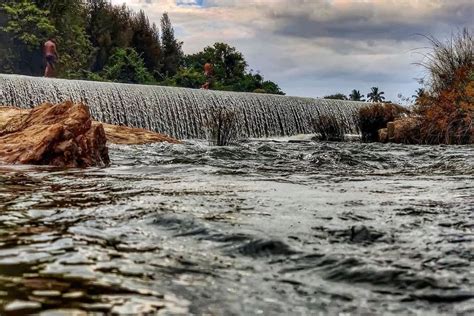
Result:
51,56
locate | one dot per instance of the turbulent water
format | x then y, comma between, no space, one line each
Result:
264,227
179,112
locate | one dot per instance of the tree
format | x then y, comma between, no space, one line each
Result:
125,65
337,96
146,41
101,41
420,93
172,53
25,28
187,78
109,28
375,95
230,70
69,19
356,96
229,64
271,88
5,64
27,24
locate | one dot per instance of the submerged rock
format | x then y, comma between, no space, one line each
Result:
363,234
59,135
134,136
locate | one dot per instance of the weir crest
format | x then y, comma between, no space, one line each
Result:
180,112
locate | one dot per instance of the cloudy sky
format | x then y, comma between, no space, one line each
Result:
317,47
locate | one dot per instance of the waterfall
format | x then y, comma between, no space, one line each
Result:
179,112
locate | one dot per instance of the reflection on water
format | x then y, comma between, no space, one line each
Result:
264,227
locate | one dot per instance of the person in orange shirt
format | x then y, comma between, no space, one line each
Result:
208,73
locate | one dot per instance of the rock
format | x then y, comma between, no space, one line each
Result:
383,135
373,117
63,135
23,306
74,295
406,130
363,234
134,136
403,130
390,130
47,293
59,135
63,312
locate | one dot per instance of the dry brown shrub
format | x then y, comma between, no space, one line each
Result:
376,116
222,126
445,112
406,130
446,117
446,58
329,128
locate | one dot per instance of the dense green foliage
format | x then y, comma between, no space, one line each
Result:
337,96
100,41
230,70
24,26
172,49
125,65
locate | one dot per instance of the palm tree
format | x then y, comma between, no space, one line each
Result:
356,96
420,92
375,95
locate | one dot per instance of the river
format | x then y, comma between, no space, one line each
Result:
266,227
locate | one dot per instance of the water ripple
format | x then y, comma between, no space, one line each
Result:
264,226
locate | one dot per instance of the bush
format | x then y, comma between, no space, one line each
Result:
329,128
187,78
222,126
376,116
337,96
447,58
446,117
126,66
446,111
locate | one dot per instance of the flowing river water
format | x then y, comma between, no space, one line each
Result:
264,227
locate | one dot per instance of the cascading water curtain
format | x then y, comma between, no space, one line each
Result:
180,112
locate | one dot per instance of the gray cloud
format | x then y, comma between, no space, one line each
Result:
316,47
369,20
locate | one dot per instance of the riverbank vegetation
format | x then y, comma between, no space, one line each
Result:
375,95
329,128
376,116
104,42
222,127
444,109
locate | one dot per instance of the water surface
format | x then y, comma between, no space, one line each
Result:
264,227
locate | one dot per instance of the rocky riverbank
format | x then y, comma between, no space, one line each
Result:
63,135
